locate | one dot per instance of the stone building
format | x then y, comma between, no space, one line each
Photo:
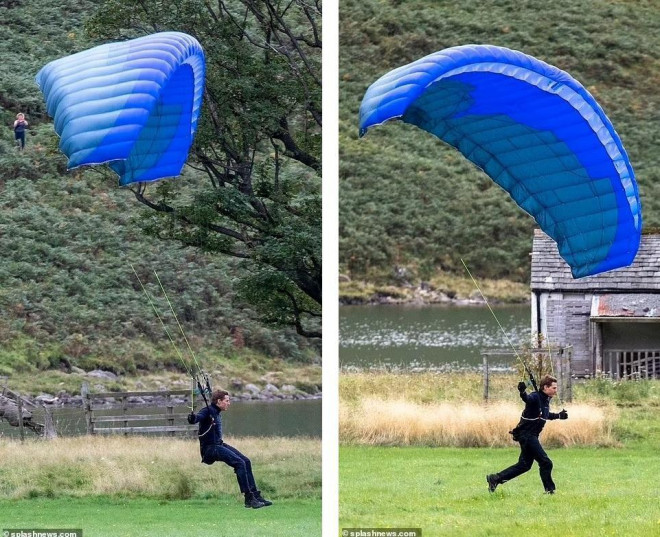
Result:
611,320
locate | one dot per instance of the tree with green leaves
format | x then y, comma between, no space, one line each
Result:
258,143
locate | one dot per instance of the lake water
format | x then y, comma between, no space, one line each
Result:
430,336
244,418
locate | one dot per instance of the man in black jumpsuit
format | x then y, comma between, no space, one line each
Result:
537,411
214,449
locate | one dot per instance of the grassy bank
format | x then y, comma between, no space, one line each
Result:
441,287
408,201
68,295
246,368
153,468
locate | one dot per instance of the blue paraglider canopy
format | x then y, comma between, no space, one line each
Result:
537,132
132,104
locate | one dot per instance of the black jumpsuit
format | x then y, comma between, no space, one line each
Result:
537,411
213,448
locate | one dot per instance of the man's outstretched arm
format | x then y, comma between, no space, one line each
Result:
563,415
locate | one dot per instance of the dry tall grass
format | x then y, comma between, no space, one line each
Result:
152,467
377,421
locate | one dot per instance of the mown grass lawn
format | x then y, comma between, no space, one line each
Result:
443,491
112,517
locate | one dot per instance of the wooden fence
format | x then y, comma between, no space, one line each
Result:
129,421
627,364
561,366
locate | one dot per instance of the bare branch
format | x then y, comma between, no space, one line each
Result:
287,30
210,11
297,312
292,149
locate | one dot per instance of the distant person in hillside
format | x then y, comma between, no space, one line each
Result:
19,130
213,448
536,413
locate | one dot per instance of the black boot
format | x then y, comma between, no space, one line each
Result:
258,496
252,501
493,480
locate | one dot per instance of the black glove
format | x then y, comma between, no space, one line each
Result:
191,418
563,415
522,387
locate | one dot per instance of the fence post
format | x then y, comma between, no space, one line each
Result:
569,377
89,413
486,379
49,427
124,411
170,419
19,402
558,365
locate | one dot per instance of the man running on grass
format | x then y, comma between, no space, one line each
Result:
537,411
214,449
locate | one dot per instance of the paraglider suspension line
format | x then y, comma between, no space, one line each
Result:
515,352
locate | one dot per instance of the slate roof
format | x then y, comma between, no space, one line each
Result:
550,272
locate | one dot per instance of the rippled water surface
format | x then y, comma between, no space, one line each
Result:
427,336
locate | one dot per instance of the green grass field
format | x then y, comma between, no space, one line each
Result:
112,517
443,491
